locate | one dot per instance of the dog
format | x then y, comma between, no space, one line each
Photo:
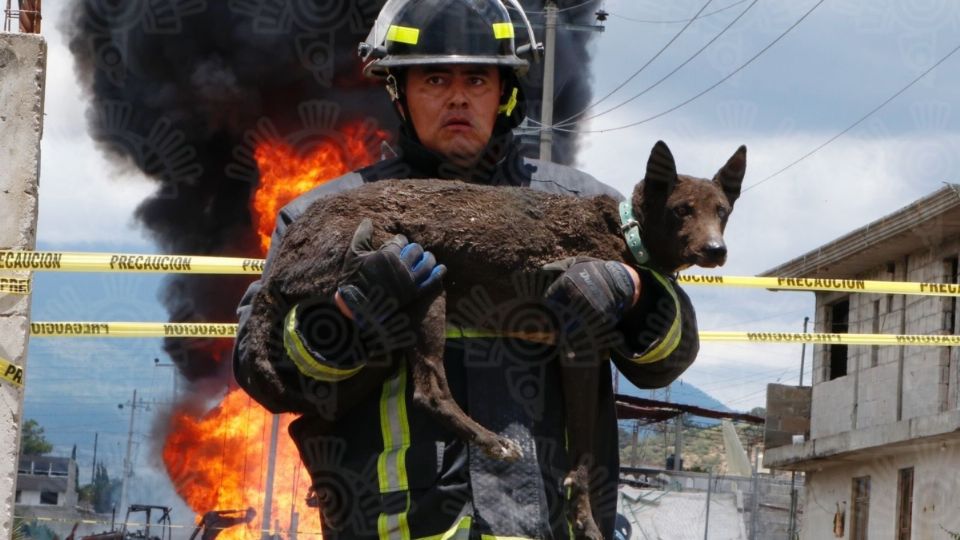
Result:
485,234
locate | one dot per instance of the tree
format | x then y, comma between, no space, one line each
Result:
32,441
100,492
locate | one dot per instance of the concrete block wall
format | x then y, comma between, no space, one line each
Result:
935,491
868,396
832,407
22,79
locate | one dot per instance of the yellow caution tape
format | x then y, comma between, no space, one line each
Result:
11,285
11,372
824,284
833,339
54,261
133,329
229,330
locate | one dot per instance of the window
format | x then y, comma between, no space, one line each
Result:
950,302
839,324
904,503
16,497
48,497
861,508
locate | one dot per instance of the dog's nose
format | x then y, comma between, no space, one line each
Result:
716,250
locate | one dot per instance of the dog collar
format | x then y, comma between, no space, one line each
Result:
631,230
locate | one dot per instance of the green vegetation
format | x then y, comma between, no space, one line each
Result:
703,449
100,492
32,440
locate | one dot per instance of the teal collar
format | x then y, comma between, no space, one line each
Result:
631,229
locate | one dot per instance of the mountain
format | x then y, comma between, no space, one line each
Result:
678,392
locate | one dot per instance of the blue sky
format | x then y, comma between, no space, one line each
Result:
845,58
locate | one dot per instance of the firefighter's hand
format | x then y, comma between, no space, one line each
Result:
395,274
606,289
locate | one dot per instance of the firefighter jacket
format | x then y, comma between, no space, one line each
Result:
386,469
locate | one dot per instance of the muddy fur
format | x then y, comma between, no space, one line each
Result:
485,234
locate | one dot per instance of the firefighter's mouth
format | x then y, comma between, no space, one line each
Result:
458,123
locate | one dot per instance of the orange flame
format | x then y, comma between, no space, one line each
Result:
219,460
286,173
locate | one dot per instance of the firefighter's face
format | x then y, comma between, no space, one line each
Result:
453,108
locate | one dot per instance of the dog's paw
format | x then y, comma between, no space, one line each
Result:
587,530
504,449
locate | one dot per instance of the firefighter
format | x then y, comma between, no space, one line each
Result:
384,468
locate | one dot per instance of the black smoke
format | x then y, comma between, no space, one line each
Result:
182,89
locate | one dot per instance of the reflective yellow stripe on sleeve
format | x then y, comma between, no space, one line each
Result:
672,339
403,34
391,464
460,531
305,362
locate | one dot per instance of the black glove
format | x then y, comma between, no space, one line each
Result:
395,273
604,288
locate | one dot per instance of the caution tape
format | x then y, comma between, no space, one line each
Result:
133,329
55,261
824,284
228,330
11,285
833,339
11,372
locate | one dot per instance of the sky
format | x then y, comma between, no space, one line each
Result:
841,61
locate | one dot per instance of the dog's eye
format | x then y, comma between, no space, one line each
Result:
683,210
722,212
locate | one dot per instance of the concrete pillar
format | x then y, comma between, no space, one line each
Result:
23,61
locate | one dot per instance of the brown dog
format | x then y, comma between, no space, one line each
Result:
485,234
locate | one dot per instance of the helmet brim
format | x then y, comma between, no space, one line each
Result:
380,68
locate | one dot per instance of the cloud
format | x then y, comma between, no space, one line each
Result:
84,198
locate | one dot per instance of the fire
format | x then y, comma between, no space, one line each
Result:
286,173
219,460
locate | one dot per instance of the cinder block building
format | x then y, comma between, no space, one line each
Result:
881,450
46,481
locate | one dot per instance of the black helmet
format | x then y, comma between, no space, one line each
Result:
423,32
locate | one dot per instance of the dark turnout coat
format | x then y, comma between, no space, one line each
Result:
386,469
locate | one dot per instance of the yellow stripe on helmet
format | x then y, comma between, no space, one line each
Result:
503,30
403,34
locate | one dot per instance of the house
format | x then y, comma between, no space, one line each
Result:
46,481
880,444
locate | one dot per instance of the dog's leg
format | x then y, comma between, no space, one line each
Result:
430,389
580,380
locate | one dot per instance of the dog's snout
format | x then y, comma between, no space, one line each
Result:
716,250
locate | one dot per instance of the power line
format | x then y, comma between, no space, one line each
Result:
637,72
670,74
677,21
709,88
859,121
568,8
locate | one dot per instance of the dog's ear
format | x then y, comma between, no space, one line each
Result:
730,177
661,172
